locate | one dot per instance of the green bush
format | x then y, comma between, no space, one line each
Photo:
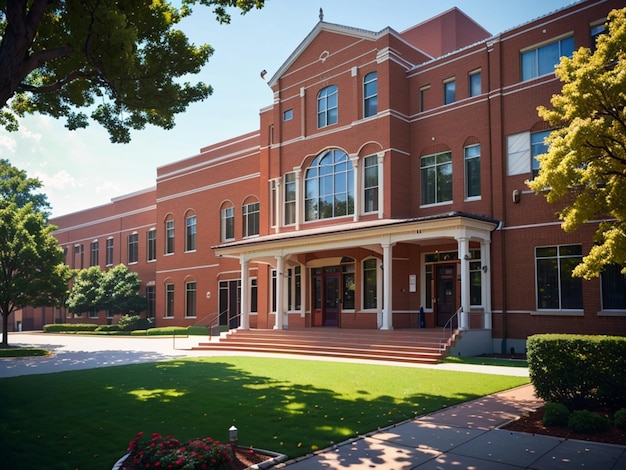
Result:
587,422
619,419
68,327
168,331
197,331
106,328
555,414
579,371
129,322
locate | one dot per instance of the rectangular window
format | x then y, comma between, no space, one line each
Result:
250,219
475,280
370,94
370,286
349,286
613,288
151,245
596,31
556,288
436,178
542,60
133,248
288,115
475,86
254,296
109,252
537,147
290,198
79,257
422,103
449,91
228,224
294,283
93,313
151,298
93,253
169,236
472,171
190,299
370,183
169,300
190,233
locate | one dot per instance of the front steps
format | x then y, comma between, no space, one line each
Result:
420,346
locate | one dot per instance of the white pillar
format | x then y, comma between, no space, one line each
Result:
354,159
299,200
278,222
381,185
280,286
387,286
485,284
463,247
244,318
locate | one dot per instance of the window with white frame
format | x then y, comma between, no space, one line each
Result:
169,300
133,248
370,184
151,245
190,233
329,186
294,285
190,299
288,115
370,94
538,147
151,298
422,103
327,107
250,219
290,198
370,283
449,91
254,295
228,223
93,253
557,289
109,251
472,171
613,284
436,178
475,84
169,236
541,60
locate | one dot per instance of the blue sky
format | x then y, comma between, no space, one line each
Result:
82,169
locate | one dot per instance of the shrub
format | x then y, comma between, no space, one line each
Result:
129,322
580,371
555,414
586,422
168,331
106,328
68,327
619,419
198,330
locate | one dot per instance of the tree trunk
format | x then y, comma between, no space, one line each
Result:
5,331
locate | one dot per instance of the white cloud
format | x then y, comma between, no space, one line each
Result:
7,144
60,180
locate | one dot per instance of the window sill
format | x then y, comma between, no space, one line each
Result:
563,313
612,313
190,251
435,204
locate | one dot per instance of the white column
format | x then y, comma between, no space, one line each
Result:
387,286
244,322
278,223
299,200
303,283
464,255
381,185
358,187
280,287
485,284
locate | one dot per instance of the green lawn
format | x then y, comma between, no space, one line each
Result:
85,419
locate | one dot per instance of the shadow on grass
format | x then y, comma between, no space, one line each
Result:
85,419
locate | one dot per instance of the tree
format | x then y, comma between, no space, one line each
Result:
32,269
123,61
586,160
15,186
115,290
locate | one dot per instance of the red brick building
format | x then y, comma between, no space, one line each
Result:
388,175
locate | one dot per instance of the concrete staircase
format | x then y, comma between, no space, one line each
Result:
424,346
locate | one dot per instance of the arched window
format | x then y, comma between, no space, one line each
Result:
329,186
228,222
251,213
327,106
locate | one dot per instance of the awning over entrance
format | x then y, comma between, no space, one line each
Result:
379,236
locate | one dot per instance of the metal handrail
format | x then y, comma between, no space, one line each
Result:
449,324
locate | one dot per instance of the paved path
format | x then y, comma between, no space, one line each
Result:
465,436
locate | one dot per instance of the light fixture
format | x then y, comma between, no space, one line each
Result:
232,436
467,256
485,268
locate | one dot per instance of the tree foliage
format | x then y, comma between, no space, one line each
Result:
17,187
115,291
123,62
586,159
32,269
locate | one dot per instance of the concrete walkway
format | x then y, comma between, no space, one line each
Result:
465,436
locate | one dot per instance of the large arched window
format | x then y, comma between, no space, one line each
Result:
329,186
327,107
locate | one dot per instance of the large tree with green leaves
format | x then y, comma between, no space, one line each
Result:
115,290
124,62
585,165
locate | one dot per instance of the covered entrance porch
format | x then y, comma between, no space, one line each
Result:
376,275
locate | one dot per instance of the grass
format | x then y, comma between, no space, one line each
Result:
23,352
85,419
487,361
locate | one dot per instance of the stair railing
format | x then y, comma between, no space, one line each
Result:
448,329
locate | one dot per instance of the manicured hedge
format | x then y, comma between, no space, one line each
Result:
68,327
579,371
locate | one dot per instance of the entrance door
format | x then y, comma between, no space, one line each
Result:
445,287
332,286
229,301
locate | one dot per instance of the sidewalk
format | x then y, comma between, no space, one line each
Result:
465,437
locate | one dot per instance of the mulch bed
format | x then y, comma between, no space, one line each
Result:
532,423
